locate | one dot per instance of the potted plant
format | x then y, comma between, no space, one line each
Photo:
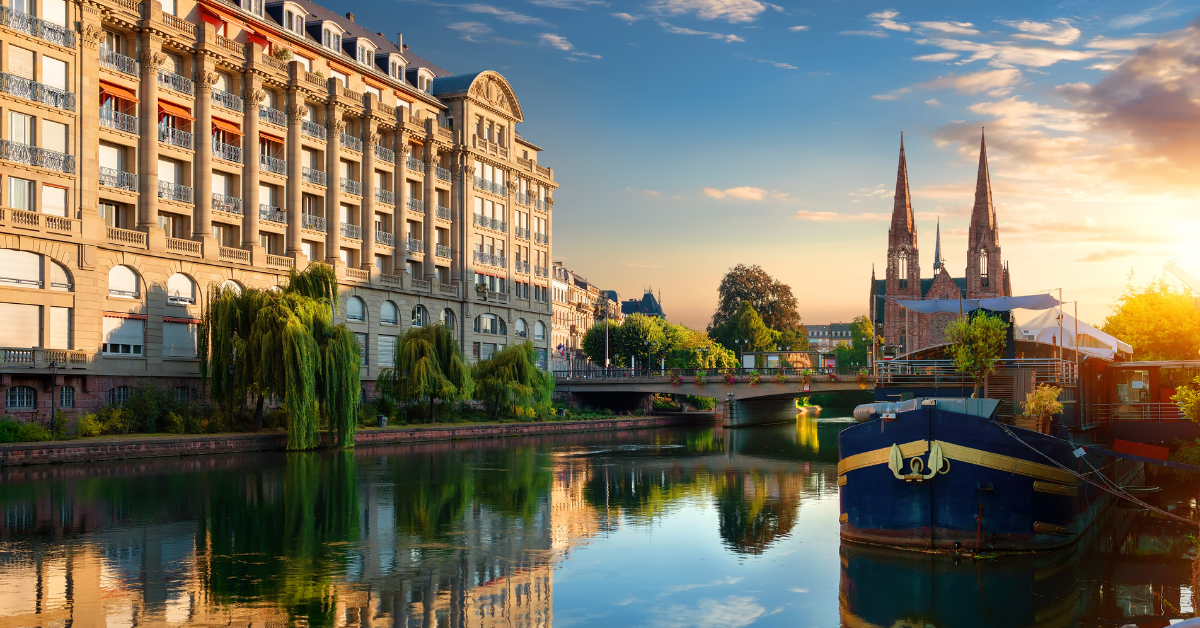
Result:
780,377
1040,406
833,376
283,54
864,377
676,378
730,378
755,376
806,380
701,377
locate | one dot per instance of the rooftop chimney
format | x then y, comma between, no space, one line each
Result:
350,16
400,40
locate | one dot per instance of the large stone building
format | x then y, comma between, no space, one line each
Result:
986,276
153,150
578,304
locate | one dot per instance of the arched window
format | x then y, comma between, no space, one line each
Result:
183,394
388,314
66,397
181,290
539,331
902,269
232,285
983,267
521,328
123,282
20,398
501,327
60,278
20,268
355,309
119,395
486,323
448,318
419,316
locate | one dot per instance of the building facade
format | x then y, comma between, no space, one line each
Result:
151,151
648,305
828,337
904,331
578,304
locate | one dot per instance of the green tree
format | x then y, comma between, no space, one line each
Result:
634,333
976,342
510,382
746,325
1161,323
795,339
857,351
593,343
427,365
772,299
1188,398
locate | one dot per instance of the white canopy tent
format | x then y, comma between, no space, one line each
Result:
1092,341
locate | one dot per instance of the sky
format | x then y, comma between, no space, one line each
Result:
688,136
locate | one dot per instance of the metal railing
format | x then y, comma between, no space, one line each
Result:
225,203
32,90
350,186
541,238
177,82
228,152
274,116
272,214
416,205
522,198
384,237
227,100
309,221
351,142
521,232
174,192
34,156
491,259
175,137
1106,412
943,372
117,61
312,129
521,267
490,186
441,250
714,377
443,212
443,174
385,196
540,205
385,154
37,27
414,164
413,245
541,271
119,121
490,223
113,178
271,164
312,175
354,232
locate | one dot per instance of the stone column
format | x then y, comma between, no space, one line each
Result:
367,209
402,150
151,58
202,141
87,75
431,161
333,191
253,97
460,228
293,195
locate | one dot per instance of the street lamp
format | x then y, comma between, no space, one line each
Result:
53,393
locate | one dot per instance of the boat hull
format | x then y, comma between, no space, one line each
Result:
992,493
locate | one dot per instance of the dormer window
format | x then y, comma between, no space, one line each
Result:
293,21
365,54
397,70
331,40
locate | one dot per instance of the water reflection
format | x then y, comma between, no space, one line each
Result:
664,527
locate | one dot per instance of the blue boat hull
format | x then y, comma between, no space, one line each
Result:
991,493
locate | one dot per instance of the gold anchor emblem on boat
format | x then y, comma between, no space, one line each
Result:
938,463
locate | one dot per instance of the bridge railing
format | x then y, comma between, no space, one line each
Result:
712,375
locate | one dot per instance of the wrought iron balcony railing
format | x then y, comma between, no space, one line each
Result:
384,237
312,175
312,129
385,154
491,186
350,186
30,25
413,245
540,205
354,232
113,178
490,223
274,116
309,221
491,259
34,156
443,174
227,152
37,92
416,205
174,192
521,232
441,250
414,164
541,238
227,100
271,164
541,271
351,142
521,266
272,214
179,83
117,61
385,196
224,203
119,121
175,137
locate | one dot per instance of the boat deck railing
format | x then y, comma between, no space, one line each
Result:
944,373
1102,413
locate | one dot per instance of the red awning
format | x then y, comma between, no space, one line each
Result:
165,106
226,126
212,18
271,136
116,91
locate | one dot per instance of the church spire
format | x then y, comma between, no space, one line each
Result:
938,262
903,229
983,214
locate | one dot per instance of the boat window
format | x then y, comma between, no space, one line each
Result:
1133,386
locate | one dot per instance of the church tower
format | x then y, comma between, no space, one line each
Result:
985,271
904,268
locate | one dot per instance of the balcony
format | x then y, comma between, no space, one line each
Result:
34,156
491,186
351,142
385,196
443,174
541,238
540,205
541,271
174,192
117,61
416,205
350,186
274,116
312,175
490,223
37,92
490,259
175,137
228,152
385,154
31,25
383,237
227,100
181,84
125,236
413,245
443,212
309,221
441,250
354,232
522,198
272,214
224,203
268,163
119,121
521,267
312,129
414,164
521,232
113,178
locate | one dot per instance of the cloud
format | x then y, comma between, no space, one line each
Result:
580,56
933,102
937,56
797,590
1104,256
574,5
994,82
797,29
627,17
734,611
732,11
747,193
893,95
1059,32
1005,54
1148,15
883,19
954,28
678,30
557,42
719,582
779,64
504,15
1130,43
875,34
471,31
836,217
879,191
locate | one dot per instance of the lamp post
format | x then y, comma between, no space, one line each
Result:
53,393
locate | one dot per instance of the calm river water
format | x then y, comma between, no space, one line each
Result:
669,528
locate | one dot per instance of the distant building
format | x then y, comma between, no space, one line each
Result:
648,305
575,302
828,337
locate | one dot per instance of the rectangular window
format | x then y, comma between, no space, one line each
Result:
362,348
123,336
168,171
22,326
20,128
179,340
341,77
20,62
54,136
60,328
387,351
54,200
20,194
307,249
55,12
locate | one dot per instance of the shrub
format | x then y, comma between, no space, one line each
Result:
1043,402
173,423
146,408
13,431
275,419
702,403
89,426
115,420
283,54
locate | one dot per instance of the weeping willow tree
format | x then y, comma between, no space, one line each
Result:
427,365
511,382
283,343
